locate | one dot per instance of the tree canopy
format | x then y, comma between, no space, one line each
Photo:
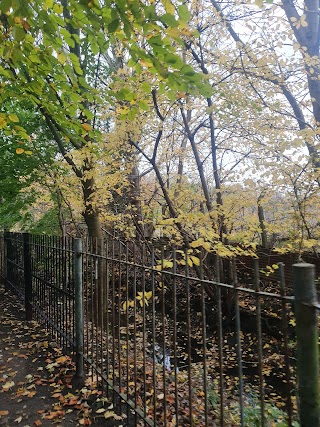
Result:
198,121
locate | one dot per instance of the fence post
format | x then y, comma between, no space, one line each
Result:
307,344
27,275
77,263
8,255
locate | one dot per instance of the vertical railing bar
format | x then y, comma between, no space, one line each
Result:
204,338
70,296
39,262
259,340
284,317
107,313
98,297
45,288
175,355
154,376
6,259
73,291
87,297
54,285
238,334
92,299
52,265
144,327
113,318
135,330
53,282
60,280
27,275
78,284
119,319
127,325
220,342
102,302
164,349
188,336
65,296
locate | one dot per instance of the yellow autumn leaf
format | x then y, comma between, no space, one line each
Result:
195,260
28,152
19,150
197,243
2,122
62,58
146,63
57,8
168,6
148,295
48,4
13,118
86,126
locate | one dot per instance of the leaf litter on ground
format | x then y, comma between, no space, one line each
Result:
37,385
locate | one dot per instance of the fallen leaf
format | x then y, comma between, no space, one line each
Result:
85,422
55,395
19,419
2,413
54,414
109,414
62,359
31,393
7,385
38,423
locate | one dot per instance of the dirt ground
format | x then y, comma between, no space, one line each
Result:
37,385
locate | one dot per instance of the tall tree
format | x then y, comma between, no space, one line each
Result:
57,55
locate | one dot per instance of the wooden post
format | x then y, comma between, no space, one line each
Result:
307,344
79,336
27,276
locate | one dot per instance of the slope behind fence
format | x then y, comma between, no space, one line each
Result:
170,347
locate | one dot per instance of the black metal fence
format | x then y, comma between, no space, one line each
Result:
160,333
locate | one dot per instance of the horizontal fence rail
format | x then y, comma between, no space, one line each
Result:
159,332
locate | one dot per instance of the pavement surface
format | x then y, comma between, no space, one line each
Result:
37,385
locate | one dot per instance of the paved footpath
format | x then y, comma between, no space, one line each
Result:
36,379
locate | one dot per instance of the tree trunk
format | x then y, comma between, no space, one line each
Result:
91,211
135,201
263,233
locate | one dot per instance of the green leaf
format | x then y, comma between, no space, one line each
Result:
184,13
146,87
169,20
5,5
18,33
57,8
113,26
143,105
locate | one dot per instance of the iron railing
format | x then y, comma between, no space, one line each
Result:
162,336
